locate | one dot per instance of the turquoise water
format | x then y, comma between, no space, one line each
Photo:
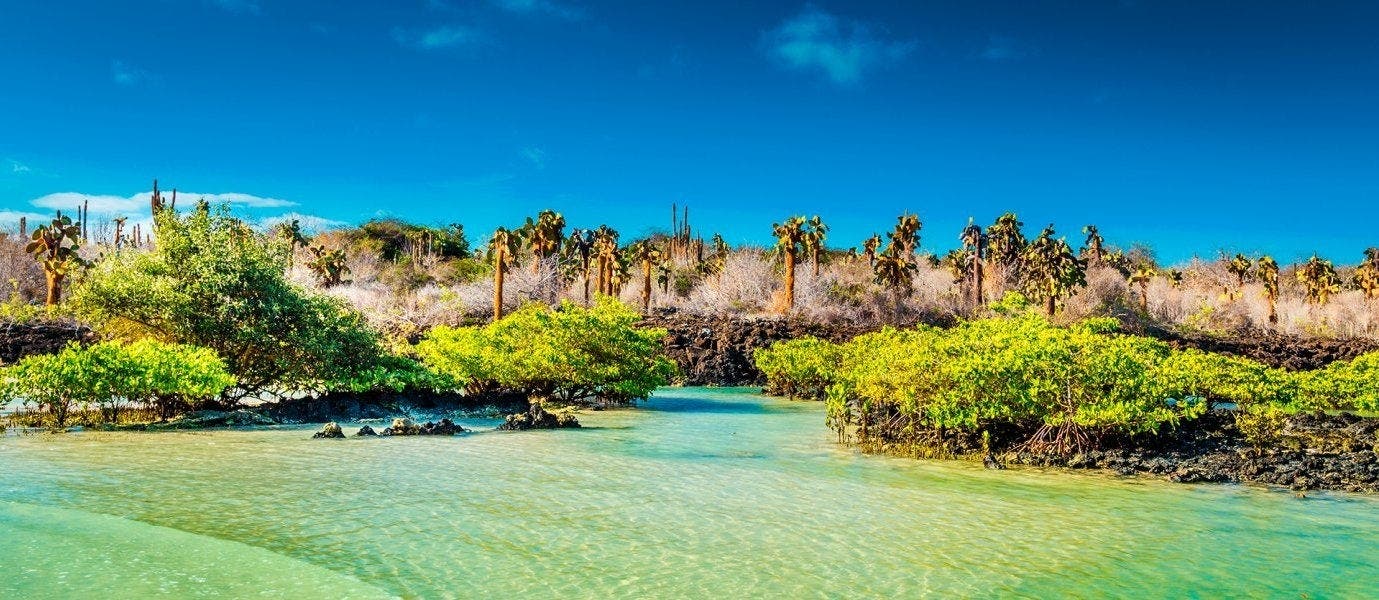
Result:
699,494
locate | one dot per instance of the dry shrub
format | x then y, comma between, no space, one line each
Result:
745,286
19,273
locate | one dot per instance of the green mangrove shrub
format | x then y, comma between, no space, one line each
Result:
111,375
798,368
212,281
1015,382
570,354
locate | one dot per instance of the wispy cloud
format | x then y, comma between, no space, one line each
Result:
126,74
139,203
445,36
9,219
535,155
243,7
1000,48
18,167
539,7
843,50
308,223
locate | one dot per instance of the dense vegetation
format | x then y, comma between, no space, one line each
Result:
570,354
1021,382
291,312
206,310
112,375
211,281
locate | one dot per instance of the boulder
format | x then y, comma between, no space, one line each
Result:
365,430
243,417
402,426
538,418
331,430
444,427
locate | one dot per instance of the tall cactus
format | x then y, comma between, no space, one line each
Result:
55,245
502,251
790,237
1267,272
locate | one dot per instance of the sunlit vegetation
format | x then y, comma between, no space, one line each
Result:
292,311
112,376
211,281
568,354
1019,382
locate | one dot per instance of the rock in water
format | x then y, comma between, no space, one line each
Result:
331,430
365,430
402,426
538,418
445,427
248,417
990,462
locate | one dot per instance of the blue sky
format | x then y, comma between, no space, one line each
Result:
1193,126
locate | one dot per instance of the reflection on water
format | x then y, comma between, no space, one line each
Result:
702,493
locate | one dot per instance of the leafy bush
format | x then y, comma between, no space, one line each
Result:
798,368
212,282
394,374
1060,389
570,354
111,374
1348,385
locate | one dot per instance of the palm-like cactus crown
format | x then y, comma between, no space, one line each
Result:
790,235
55,245
1052,268
1318,277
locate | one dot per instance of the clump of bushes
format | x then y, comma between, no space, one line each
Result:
570,354
1024,383
212,281
112,376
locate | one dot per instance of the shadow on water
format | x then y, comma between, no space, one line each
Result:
704,405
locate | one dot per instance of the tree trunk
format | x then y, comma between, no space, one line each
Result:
585,260
1273,310
1050,305
789,280
978,298
646,286
54,288
603,282
816,264
501,259
1144,297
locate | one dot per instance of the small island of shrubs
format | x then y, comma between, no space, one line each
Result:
207,319
1016,383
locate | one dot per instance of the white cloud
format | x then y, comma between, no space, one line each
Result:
18,167
534,7
445,36
126,74
139,203
1000,48
9,219
536,155
843,50
246,7
308,223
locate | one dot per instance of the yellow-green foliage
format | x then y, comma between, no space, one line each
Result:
571,353
1067,385
1350,385
1064,387
110,374
798,368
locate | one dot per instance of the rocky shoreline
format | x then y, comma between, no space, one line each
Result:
1313,452
717,350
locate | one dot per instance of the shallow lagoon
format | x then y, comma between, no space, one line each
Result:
699,493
